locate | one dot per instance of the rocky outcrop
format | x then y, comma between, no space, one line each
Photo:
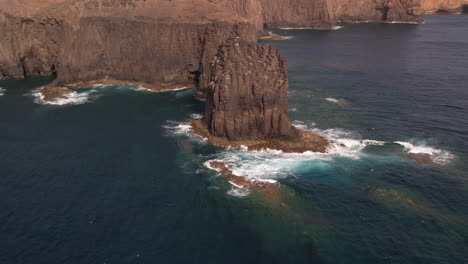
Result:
299,13
450,6
378,10
247,104
247,93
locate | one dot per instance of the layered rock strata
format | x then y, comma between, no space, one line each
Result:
247,92
247,104
378,10
84,41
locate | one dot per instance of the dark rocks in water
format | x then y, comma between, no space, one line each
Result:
247,94
421,158
51,94
442,12
465,8
305,141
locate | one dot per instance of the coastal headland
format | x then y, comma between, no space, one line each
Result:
166,44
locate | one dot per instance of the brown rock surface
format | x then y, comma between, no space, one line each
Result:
378,10
247,93
452,6
421,157
164,41
51,94
305,141
153,41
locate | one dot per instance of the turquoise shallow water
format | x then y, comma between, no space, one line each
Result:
119,178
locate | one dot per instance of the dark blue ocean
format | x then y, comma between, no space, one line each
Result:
114,174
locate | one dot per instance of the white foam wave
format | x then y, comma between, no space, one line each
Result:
101,85
139,88
2,91
270,165
344,143
177,89
238,192
72,98
405,22
331,99
208,165
336,27
438,156
184,129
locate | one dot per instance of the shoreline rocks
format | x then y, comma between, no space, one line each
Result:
51,94
305,141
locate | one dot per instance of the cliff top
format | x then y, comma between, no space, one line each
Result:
193,11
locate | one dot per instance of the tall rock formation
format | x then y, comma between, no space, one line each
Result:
247,93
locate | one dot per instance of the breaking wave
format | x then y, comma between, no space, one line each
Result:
2,91
331,99
183,128
270,165
85,95
140,88
72,98
238,192
438,156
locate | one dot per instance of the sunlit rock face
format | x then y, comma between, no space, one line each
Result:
247,94
433,6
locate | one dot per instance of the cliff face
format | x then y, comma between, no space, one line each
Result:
87,39
323,14
133,40
144,51
378,10
432,6
299,13
247,93
27,46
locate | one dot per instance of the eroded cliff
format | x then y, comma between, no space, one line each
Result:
157,42
451,6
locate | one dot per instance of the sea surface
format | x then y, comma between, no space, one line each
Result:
113,174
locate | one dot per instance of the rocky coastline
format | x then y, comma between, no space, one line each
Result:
163,44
